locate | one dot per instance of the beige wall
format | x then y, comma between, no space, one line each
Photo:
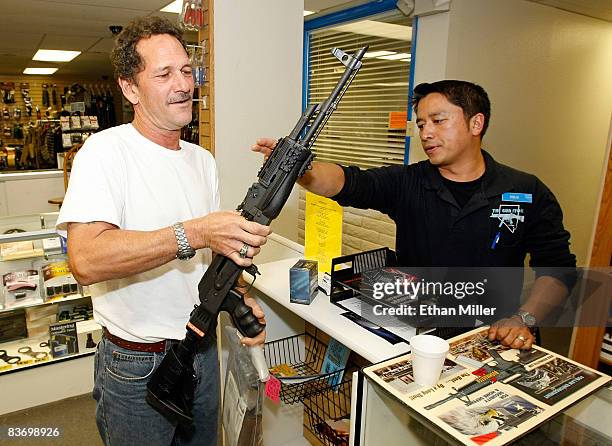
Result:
431,59
548,75
258,91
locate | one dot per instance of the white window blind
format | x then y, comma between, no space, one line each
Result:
359,133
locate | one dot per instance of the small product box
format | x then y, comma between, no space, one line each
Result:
39,318
75,311
75,122
53,246
58,280
89,333
20,250
85,122
303,281
21,288
65,123
64,341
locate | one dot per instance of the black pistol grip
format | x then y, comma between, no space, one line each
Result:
242,315
245,321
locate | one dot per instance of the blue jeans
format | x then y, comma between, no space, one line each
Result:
125,418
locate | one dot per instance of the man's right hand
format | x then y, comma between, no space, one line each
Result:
225,232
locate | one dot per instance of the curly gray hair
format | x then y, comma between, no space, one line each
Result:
124,56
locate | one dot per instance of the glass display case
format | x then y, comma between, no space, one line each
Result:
381,419
44,314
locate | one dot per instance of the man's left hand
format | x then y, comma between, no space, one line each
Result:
259,314
512,332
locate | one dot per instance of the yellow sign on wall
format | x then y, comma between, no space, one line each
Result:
323,239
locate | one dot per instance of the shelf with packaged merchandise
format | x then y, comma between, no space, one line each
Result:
44,315
36,356
54,300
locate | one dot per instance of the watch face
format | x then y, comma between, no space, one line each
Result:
528,318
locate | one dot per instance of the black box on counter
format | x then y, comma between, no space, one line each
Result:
303,281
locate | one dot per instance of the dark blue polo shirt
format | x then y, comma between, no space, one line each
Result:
511,214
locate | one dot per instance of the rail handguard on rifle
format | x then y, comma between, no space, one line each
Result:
171,387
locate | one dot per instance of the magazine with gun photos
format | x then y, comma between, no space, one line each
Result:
489,394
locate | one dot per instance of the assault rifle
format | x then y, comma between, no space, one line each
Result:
502,370
171,387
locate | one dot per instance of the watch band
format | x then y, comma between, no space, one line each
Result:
185,251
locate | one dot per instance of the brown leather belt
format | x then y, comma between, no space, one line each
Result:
150,347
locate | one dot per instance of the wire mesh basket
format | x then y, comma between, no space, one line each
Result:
327,413
296,361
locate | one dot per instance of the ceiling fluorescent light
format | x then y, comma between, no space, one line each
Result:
377,29
55,55
308,13
391,84
378,53
174,7
39,70
395,56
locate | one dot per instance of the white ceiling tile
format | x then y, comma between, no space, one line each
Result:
139,5
318,5
102,46
62,42
18,41
601,9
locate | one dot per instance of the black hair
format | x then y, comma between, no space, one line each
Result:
472,98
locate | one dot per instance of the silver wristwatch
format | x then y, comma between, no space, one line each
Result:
185,251
527,318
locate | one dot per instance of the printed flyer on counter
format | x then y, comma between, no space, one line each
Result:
489,394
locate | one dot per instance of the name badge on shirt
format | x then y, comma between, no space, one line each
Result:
517,197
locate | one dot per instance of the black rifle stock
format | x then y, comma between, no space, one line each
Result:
170,389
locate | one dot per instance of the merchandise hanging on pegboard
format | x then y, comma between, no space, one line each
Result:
197,61
191,17
8,92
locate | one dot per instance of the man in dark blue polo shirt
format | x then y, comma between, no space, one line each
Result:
461,208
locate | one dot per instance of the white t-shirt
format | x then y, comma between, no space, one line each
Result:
121,177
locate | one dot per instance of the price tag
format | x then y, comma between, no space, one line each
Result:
77,107
273,388
325,283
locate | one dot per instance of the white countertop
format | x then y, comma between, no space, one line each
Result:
274,282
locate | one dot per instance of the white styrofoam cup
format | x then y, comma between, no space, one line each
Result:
428,354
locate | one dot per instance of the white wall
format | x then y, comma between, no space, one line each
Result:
430,64
25,193
258,91
548,75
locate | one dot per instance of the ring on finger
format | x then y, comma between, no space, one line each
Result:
243,251
521,338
